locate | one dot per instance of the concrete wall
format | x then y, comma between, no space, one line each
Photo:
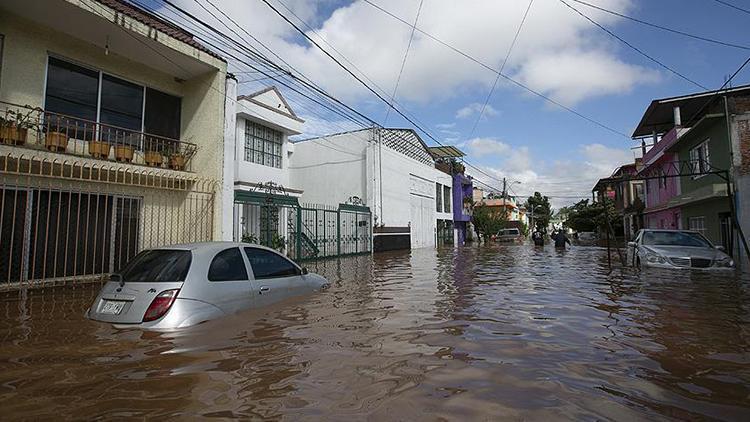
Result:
330,170
710,210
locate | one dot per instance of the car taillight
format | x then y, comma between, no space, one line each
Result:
160,305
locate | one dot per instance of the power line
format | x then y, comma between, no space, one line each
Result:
308,80
384,100
663,28
633,47
280,81
502,67
733,6
506,77
718,91
403,62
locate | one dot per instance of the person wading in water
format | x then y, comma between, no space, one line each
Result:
561,239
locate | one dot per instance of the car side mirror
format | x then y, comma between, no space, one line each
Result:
304,271
631,244
720,248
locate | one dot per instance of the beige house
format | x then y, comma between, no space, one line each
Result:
111,137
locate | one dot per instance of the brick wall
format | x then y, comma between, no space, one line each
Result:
739,105
743,129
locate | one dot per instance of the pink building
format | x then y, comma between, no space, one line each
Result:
659,213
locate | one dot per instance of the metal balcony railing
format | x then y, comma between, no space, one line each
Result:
35,128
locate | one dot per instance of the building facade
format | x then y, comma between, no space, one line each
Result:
389,170
112,137
698,181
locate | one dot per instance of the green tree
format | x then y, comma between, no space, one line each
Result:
586,217
540,210
487,222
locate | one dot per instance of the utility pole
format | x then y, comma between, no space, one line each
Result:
505,196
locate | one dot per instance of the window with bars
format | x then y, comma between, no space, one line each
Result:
698,224
700,159
262,145
439,197
447,198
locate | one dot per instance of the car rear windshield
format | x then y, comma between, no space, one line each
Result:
157,265
675,239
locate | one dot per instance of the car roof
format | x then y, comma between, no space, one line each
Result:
670,230
210,246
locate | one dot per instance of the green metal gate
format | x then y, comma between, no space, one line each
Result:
302,232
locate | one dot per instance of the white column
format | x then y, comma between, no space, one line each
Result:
227,186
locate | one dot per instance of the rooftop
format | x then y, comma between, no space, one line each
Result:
659,115
157,23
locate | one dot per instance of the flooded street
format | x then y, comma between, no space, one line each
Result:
464,334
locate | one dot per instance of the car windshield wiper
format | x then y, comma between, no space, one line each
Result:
117,277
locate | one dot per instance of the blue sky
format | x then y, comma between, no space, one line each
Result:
558,53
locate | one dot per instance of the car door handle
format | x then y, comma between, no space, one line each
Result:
263,289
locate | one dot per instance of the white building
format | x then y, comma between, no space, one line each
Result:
389,170
261,156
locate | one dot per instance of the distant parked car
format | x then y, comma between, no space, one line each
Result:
183,285
586,238
509,235
676,249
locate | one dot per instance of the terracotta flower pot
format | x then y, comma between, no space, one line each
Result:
124,153
99,149
177,161
153,158
13,135
56,141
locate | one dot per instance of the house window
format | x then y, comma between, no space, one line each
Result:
72,90
439,197
698,224
700,159
94,96
447,198
262,145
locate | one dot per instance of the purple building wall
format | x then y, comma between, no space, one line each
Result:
462,188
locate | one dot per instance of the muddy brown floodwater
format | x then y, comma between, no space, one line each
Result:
468,334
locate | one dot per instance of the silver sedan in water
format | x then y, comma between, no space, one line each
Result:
676,249
183,285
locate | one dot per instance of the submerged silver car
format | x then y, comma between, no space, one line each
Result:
183,285
676,249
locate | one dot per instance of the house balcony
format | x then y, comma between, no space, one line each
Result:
37,129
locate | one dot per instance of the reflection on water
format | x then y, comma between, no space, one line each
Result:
476,333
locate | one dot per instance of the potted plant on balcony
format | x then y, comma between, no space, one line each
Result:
124,149
14,127
153,155
99,149
177,158
180,154
56,138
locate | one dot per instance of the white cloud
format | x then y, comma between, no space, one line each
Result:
478,147
571,76
475,108
445,125
573,62
565,181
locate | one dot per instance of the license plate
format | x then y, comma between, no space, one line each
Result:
112,307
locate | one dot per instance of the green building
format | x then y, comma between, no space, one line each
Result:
703,200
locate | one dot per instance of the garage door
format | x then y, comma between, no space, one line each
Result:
422,202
